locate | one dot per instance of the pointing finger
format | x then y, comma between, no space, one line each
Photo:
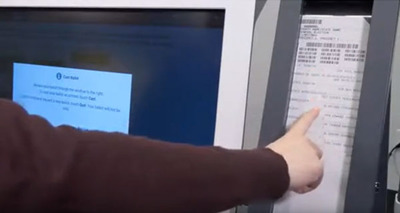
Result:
304,122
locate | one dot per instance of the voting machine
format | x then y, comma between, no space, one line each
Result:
336,55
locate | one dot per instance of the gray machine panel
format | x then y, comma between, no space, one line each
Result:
370,145
367,181
273,123
263,43
276,105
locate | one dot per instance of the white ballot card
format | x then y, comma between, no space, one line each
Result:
328,74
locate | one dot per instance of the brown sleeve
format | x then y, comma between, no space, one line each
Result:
43,168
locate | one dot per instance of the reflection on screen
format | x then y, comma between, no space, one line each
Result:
152,73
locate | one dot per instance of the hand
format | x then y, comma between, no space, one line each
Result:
302,156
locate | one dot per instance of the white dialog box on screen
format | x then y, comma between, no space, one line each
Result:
85,99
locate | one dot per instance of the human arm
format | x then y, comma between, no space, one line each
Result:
44,168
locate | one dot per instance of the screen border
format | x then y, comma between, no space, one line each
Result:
236,52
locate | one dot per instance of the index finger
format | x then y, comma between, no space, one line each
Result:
305,121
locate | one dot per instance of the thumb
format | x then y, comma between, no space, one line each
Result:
304,122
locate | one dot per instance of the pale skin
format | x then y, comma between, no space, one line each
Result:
303,157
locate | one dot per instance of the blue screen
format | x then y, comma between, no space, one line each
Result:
149,73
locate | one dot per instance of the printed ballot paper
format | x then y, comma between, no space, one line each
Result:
328,74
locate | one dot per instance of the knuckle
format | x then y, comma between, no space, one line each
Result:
317,168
